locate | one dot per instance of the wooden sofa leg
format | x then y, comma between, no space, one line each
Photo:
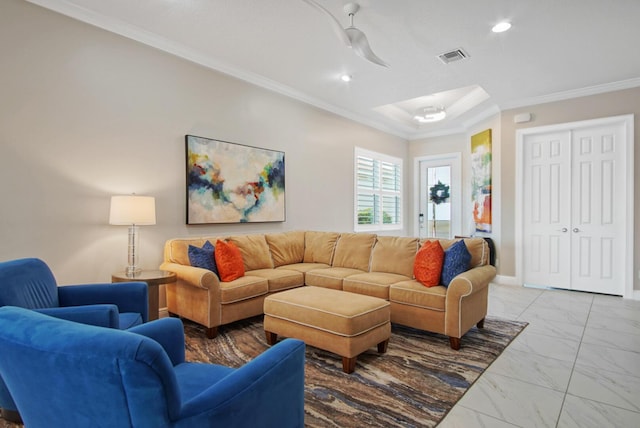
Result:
272,338
349,364
455,343
480,323
212,332
382,346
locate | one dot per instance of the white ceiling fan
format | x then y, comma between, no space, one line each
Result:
351,36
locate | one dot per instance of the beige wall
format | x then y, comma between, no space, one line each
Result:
85,114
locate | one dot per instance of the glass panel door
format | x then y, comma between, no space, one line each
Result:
439,197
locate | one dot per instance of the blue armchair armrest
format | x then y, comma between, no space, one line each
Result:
271,386
98,315
169,333
127,296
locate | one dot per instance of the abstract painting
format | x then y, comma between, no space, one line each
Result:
233,183
481,180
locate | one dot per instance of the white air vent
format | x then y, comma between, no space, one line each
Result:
454,55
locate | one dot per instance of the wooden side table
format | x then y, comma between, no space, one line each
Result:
153,278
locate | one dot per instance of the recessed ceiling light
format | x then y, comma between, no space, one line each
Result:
346,78
501,27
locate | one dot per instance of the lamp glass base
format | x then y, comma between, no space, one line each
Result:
132,271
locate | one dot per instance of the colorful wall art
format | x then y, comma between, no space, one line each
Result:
233,183
481,180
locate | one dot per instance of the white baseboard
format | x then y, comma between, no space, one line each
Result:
506,280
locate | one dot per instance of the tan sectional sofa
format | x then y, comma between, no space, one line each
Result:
379,266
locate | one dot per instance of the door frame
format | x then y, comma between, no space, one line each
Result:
455,160
627,122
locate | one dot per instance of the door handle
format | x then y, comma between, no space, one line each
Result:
576,230
563,230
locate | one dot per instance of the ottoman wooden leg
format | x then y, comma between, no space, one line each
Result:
272,338
382,346
349,364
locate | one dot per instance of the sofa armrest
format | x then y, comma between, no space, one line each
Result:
195,276
99,315
127,296
470,282
466,302
169,333
270,386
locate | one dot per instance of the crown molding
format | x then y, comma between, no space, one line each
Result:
574,93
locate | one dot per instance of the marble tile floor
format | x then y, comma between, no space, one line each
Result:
577,364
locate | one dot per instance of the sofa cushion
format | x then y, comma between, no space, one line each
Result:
254,250
428,265
286,248
203,257
304,267
329,277
319,246
279,279
243,288
456,261
343,314
394,255
415,294
229,261
353,250
374,284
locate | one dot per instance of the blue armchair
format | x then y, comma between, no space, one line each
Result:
30,284
76,375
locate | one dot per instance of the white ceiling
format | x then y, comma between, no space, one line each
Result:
556,49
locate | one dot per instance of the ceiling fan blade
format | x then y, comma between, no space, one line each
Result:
361,47
337,27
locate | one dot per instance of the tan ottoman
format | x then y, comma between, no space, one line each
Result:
337,321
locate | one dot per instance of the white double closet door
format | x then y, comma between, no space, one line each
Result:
574,215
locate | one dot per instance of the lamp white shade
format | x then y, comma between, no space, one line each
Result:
132,210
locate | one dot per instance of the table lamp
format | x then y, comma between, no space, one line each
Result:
133,211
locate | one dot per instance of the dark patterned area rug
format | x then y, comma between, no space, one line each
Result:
414,384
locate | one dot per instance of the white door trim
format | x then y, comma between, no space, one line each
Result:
627,121
456,177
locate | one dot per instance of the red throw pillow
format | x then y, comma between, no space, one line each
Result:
229,261
428,265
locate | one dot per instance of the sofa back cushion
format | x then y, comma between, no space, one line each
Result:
254,250
286,248
477,247
319,246
394,254
353,250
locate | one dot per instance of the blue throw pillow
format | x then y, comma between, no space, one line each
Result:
203,257
456,260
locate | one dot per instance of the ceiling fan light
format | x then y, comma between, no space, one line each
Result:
429,114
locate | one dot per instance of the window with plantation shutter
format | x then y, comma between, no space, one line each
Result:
378,191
